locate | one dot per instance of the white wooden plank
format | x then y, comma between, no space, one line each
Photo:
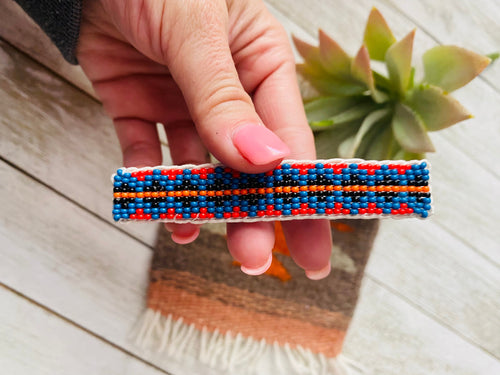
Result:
34,341
21,31
95,276
463,163
471,24
455,290
60,135
419,346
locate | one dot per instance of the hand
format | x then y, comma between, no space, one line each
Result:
220,76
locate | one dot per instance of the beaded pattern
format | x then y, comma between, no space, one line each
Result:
293,190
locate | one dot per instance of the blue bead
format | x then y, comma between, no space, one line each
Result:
117,206
295,206
346,205
219,215
304,200
363,205
312,205
330,205
427,207
124,216
384,167
117,184
386,210
396,206
127,175
286,212
313,199
287,206
321,205
346,177
295,171
302,183
355,205
424,214
423,165
320,211
303,194
278,207
119,172
354,212
363,199
339,199
337,193
261,207
195,210
348,199
116,211
139,205
117,178
252,214
286,166
372,199
388,205
295,200
426,200
147,210
330,199
380,205
337,182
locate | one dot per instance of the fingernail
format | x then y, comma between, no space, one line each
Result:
185,237
259,270
258,144
320,274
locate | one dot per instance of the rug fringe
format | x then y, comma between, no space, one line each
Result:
232,353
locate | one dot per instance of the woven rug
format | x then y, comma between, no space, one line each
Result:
205,316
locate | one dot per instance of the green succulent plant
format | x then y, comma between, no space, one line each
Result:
356,111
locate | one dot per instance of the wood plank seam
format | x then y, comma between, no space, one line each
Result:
81,328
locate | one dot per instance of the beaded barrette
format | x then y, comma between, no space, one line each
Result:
330,189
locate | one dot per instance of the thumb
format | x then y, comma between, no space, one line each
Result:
200,61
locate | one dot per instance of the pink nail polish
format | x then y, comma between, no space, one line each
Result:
258,144
259,270
320,274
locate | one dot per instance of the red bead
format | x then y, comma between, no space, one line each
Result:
328,211
170,216
404,205
337,211
194,216
211,215
211,170
236,214
338,205
311,211
372,205
409,210
303,211
295,212
243,214
227,215
236,209
203,216
203,210
378,211
203,171
394,212
261,213
371,211
270,207
147,216
346,211
133,217
277,213
362,211
269,212
178,216
139,211
304,205
203,176
163,216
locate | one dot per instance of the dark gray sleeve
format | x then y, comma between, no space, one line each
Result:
60,19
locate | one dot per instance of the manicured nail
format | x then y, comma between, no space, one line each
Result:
186,236
259,270
320,274
258,144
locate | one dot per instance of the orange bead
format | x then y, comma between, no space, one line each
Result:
411,189
170,193
330,188
363,188
163,193
178,193
117,195
426,189
227,192
279,189
210,193
147,194
236,192
269,190
193,193
321,187
219,193
154,194
252,191
261,191
203,192
304,188
336,188
347,188
313,188
140,195
295,189
243,191
287,189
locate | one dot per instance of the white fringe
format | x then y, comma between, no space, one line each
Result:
233,354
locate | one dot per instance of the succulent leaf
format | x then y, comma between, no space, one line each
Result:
327,84
378,36
381,145
309,53
333,58
359,111
328,141
398,59
325,107
409,130
361,71
345,147
367,124
436,109
451,67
